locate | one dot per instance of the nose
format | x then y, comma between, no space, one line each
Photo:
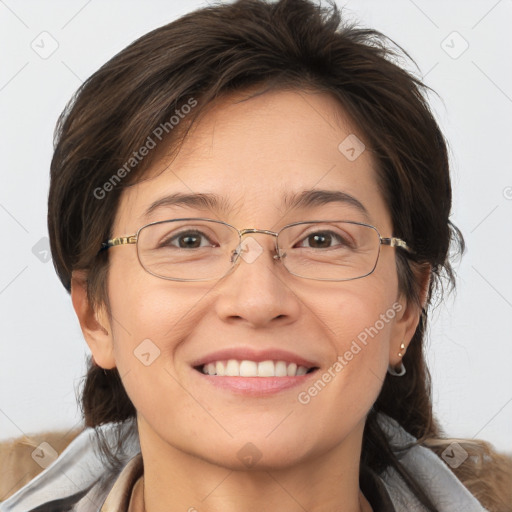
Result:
257,292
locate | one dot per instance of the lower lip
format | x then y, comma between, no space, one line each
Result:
255,386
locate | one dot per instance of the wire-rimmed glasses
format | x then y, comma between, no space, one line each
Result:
200,249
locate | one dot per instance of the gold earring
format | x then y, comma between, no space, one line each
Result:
402,349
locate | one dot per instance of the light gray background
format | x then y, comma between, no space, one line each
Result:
42,351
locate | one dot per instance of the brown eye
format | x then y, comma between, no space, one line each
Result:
325,240
191,239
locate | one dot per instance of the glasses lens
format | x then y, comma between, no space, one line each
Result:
329,250
187,249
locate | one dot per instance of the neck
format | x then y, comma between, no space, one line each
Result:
178,481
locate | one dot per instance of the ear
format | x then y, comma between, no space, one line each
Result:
408,316
95,325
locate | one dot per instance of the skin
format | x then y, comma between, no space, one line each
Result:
190,431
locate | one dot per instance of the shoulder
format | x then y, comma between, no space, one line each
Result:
432,464
23,458
80,472
486,473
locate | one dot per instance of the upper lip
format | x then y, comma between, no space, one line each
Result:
245,353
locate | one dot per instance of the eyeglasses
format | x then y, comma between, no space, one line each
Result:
197,249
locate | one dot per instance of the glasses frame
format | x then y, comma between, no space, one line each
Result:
133,239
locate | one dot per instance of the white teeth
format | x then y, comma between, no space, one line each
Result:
246,368
280,369
292,370
220,368
301,370
266,369
233,368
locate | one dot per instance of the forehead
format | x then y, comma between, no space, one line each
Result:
256,160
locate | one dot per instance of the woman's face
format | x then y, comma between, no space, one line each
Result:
251,155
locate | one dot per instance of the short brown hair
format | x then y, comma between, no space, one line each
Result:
222,49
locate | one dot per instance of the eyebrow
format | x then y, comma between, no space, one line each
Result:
316,197
220,205
205,201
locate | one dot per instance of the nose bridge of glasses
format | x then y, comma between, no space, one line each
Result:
252,230
262,231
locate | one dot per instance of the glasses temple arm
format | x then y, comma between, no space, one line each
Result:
122,240
396,242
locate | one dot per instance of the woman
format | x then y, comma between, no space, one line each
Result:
250,208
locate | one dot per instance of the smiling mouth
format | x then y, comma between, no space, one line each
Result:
247,368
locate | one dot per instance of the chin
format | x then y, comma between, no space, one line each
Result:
256,453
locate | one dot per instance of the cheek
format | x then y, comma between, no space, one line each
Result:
359,322
162,317
362,311
151,320
148,328
148,320
144,306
